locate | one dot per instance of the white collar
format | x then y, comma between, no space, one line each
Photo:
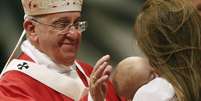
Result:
43,59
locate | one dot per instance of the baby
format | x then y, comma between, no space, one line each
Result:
130,74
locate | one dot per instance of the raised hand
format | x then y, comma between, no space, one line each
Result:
99,77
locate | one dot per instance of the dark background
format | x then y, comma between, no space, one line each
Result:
110,29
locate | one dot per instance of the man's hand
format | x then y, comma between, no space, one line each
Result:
99,77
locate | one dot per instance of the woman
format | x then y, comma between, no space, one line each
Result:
169,33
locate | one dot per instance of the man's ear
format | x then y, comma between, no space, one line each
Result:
30,26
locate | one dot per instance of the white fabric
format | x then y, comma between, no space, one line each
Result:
158,89
41,58
66,85
48,72
41,7
90,97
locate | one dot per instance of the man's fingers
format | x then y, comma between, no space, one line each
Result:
96,87
99,68
101,61
107,70
101,80
98,73
97,79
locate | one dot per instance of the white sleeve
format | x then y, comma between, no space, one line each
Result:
89,97
158,89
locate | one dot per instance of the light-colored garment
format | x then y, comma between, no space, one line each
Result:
42,59
159,89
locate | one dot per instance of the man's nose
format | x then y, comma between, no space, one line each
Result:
72,32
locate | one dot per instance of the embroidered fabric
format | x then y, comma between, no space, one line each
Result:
43,59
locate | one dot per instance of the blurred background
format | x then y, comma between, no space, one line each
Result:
110,29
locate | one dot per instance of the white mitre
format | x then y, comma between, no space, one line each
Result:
40,7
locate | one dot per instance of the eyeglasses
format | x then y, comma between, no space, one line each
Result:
80,25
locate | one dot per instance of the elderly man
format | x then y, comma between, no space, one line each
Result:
47,69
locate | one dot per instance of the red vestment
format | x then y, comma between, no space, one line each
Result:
17,86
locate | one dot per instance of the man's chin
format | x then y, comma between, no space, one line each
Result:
66,59
68,48
69,56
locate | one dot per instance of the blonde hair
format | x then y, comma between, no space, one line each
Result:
169,33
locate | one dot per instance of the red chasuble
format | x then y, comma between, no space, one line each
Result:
17,86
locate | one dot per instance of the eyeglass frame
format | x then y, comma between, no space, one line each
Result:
82,25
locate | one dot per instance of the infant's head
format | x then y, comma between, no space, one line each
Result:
130,74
